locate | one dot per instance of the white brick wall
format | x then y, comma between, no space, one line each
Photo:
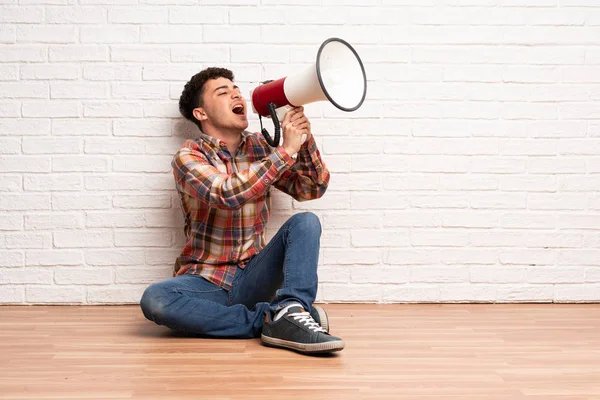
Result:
471,173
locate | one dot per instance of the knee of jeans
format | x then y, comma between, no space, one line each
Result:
153,303
308,222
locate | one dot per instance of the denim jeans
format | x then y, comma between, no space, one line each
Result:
284,271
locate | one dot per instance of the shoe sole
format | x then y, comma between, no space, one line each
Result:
323,318
327,347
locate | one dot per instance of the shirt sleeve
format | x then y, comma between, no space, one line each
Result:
308,178
195,176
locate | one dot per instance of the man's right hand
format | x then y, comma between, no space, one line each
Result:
294,128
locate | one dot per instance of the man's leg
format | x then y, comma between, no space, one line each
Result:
285,271
191,304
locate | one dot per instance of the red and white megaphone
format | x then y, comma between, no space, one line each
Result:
338,76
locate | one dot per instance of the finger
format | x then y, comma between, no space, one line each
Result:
304,125
287,117
296,115
299,121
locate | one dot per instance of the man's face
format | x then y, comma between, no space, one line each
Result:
224,106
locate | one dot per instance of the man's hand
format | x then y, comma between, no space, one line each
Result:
296,130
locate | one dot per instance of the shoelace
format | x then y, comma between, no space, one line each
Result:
307,320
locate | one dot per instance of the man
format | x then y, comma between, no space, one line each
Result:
228,282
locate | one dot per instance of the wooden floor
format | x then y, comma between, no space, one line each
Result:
520,351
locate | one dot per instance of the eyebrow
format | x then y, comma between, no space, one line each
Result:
225,87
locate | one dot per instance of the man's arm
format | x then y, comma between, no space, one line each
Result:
309,177
198,178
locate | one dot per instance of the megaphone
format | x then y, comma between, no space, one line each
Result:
338,75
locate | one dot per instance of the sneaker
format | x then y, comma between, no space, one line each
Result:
297,330
320,317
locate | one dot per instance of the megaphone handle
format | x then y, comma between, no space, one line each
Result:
275,141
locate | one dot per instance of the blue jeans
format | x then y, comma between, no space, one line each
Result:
284,271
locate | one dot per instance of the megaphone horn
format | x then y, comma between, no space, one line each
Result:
338,75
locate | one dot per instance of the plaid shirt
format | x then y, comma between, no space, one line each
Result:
226,200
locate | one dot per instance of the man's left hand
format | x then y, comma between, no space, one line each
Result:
300,121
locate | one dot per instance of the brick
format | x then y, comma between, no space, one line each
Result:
162,256
49,258
137,15
172,33
81,127
143,238
526,293
78,201
576,293
533,183
25,276
11,258
114,182
161,219
447,274
10,109
24,90
79,164
83,239
528,257
23,53
113,34
51,109
99,72
556,275
142,163
55,294
112,109
411,293
46,34
142,128
199,53
82,276
58,182
12,295
139,53
54,220
139,90
71,90
22,14
11,222
112,257
24,202
114,220
141,275
9,72
380,238
351,292
10,146
142,201
46,145
496,274
384,274
351,256
116,294
75,15
207,15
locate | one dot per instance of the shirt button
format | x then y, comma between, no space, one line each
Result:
266,181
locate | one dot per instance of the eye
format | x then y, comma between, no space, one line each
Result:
222,93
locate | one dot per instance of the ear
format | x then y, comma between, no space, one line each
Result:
199,114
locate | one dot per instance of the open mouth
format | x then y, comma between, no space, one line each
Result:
238,109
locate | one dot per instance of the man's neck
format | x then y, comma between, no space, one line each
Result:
231,139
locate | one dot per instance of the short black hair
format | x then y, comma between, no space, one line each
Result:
191,97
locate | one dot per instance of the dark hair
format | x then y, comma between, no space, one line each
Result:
191,97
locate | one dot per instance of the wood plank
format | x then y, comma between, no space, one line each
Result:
401,351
